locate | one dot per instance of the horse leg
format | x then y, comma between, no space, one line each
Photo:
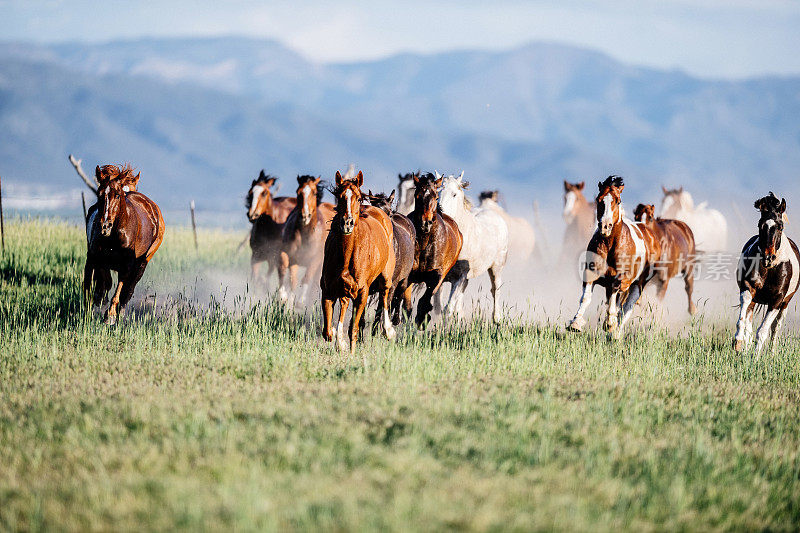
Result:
453,307
254,266
497,282
612,316
744,326
578,322
111,314
283,267
311,273
292,285
359,304
385,300
634,294
407,301
776,328
688,281
340,338
327,315
130,284
764,329
424,306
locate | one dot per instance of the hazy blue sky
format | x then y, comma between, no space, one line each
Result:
730,38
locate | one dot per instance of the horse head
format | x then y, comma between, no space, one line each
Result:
426,199
110,195
675,200
259,197
770,227
308,196
609,204
494,196
405,190
644,213
123,174
572,192
453,199
348,201
381,201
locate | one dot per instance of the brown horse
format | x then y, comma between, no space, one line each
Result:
437,246
124,231
268,215
620,257
304,237
677,250
404,237
358,253
579,215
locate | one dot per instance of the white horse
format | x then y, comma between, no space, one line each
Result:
708,225
485,247
405,193
521,238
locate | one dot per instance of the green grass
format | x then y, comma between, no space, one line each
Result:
240,416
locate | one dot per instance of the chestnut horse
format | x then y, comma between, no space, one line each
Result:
303,237
620,257
358,253
404,236
124,228
579,215
768,274
268,215
438,242
677,250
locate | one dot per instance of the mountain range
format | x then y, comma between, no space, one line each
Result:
200,118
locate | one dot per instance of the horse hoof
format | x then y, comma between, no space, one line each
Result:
391,333
283,295
616,334
738,346
111,320
576,325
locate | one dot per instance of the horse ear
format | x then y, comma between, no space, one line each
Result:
391,197
680,189
339,178
316,181
782,207
758,203
600,185
270,182
581,185
416,179
461,177
262,174
438,182
97,172
566,185
664,190
359,178
253,183
438,176
300,179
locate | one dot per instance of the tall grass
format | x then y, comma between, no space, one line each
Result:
210,408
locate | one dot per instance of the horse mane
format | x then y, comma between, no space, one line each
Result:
123,174
305,178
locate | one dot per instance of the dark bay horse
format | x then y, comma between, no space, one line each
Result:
267,215
438,242
768,274
124,228
404,237
358,253
620,258
678,253
303,237
579,215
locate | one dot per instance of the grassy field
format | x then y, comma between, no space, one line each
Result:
239,416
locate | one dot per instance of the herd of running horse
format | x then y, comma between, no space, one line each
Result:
366,244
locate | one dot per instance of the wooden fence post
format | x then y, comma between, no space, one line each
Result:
194,224
2,225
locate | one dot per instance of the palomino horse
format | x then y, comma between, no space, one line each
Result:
620,257
521,237
304,237
268,215
358,253
124,229
405,192
404,236
485,247
579,215
709,227
438,242
677,250
768,274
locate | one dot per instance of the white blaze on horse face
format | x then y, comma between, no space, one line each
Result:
348,196
257,190
306,199
607,221
569,204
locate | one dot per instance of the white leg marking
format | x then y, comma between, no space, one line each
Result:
743,325
341,340
578,322
388,328
612,320
764,329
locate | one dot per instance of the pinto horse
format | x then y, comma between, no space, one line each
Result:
768,274
677,250
358,253
125,228
620,258
268,215
405,192
485,244
303,237
404,237
437,245
579,215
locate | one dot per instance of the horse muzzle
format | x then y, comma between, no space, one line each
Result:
348,224
426,225
306,219
605,229
105,229
769,260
